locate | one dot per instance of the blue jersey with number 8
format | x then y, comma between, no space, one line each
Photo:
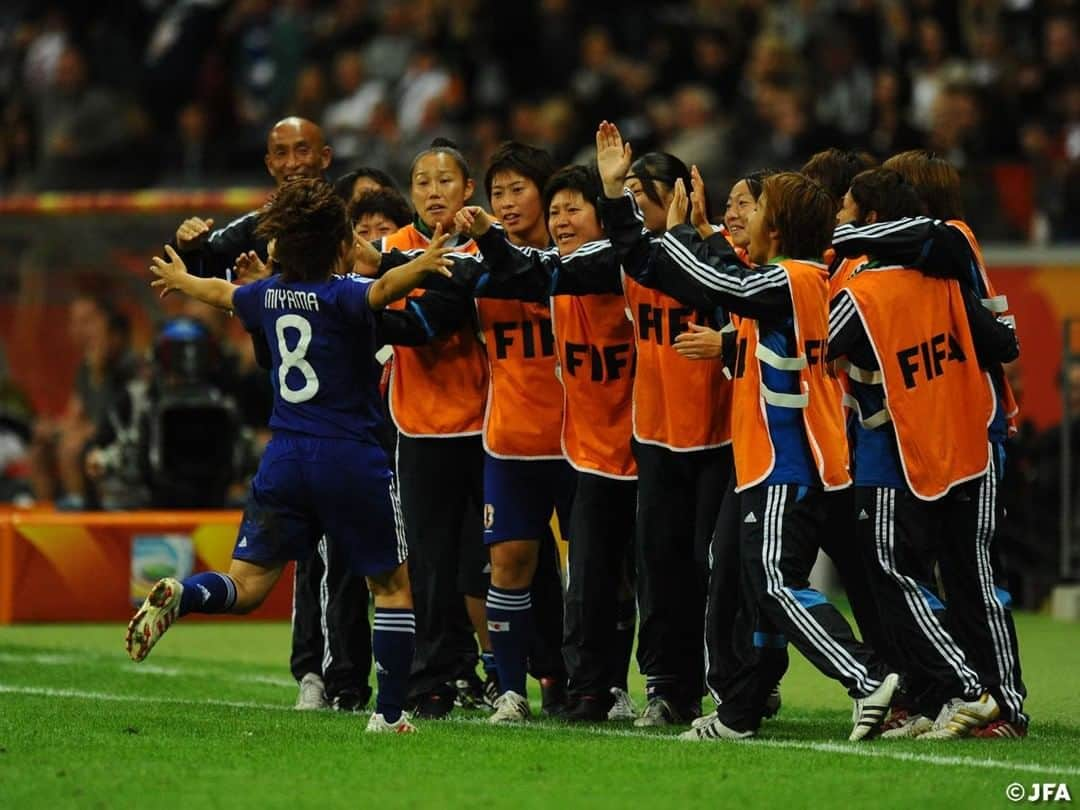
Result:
322,339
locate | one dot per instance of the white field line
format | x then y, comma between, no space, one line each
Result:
868,750
78,694
65,659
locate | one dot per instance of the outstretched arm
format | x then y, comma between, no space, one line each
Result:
173,275
400,281
932,246
707,275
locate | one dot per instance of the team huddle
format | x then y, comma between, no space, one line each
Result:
702,407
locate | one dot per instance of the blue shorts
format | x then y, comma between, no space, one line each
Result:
306,487
520,496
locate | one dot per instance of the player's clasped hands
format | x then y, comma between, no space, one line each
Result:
699,343
679,204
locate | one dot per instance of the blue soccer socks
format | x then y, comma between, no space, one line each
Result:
393,642
209,592
509,618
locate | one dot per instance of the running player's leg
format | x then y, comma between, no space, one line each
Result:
277,526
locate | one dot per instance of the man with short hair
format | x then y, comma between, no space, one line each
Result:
331,646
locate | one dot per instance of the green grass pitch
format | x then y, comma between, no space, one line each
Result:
206,722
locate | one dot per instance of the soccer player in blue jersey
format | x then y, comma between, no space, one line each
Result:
324,471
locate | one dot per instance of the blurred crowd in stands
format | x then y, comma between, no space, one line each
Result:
180,93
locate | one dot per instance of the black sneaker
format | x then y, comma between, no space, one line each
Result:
552,697
773,703
434,705
587,709
469,692
349,701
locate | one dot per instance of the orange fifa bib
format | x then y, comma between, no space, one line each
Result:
678,403
999,305
820,395
938,399
595,344
843,273
524,414
439,389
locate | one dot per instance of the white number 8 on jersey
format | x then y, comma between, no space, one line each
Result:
295,358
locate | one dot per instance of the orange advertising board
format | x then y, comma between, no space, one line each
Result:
69,567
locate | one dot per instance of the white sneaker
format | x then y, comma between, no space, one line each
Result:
623,708
159,610
510,707
713,729
312,694
378,725
704,720
914,725
958,718
869,712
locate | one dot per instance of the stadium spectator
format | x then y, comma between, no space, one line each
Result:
103,334
311,94
87,131
192,156
347,118
701,138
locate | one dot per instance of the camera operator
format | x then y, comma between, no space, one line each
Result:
174,440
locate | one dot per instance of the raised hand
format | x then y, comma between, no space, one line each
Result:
700,343
473,221
249,267
699,217
613,158
676,214
170,274
433,259
192,231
